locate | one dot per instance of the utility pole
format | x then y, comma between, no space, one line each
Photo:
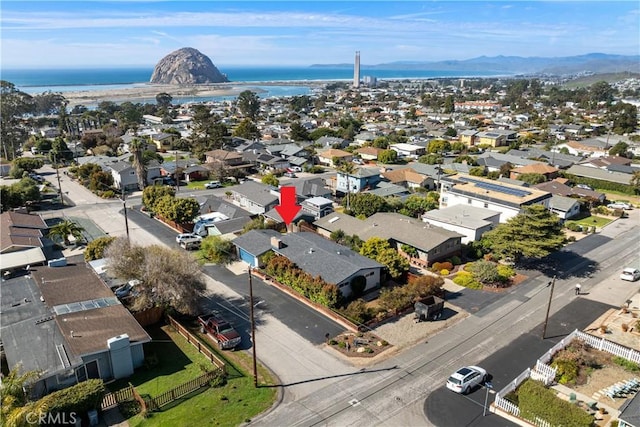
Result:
253,331
55,159
552,283
178,177
126,219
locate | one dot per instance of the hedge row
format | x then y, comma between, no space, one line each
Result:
79,398
537,401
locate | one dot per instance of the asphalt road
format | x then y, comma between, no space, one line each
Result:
446,408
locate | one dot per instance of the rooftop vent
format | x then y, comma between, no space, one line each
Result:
310,250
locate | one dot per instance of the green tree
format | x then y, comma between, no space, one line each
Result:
438,146
100,181
534,233
635,182
367,204
430,159
318,133
485,272
13,106
415,205
65,229
297,132
95,249
249,104
14,396
270,179
217,250
153,193
179,210
137,147
24,164
208,132
163,100
388,156
532,178
169,277
247,129
620,149
624,117
381,251
601,92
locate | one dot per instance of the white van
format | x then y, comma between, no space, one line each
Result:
191,244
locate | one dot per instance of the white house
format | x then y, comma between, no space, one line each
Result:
470,221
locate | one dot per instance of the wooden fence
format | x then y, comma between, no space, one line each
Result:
193,340
112,399
156,403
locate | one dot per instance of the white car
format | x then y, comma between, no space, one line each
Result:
213,184
619,205
465,379
630,274
186,236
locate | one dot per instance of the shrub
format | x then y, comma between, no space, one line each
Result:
395,299
342,344
626,364
505,272
357,311
566,371
444,272
423,286
219,380
81,397
466,279
536,401
456,260
485,272
333,342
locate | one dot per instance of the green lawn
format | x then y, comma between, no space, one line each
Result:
178,362
590,221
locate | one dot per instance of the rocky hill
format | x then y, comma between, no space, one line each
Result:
186,66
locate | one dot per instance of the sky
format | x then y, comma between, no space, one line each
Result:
68,34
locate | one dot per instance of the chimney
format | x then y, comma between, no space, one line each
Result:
276,243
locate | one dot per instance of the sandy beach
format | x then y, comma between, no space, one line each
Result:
147,92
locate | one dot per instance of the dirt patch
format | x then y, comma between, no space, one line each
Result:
603,378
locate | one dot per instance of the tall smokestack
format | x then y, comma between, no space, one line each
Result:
356,70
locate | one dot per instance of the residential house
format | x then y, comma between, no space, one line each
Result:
369,153
494,161
268,162
607,162
317,207
559,160
66,323
327,157
469,221
507,199
21,240
364,138
311,187
405,150
317,256
359,180
592,147
496,137
409,178
125,177
468,137
253,245
600,174
548,171
387,189
332,142
558,188
431,243
164,141
564,207
254,197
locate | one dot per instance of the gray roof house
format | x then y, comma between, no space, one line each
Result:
251,246
564,207
599,174
66,322
470,221
432,243
254,197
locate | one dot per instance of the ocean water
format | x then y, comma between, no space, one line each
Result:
37,81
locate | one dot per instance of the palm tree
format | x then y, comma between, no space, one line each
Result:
65,229
137,146
635,181
347,168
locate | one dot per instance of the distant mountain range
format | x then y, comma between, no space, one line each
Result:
592,62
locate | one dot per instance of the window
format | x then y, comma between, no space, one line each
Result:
486,205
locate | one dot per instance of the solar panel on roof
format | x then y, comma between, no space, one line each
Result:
497,187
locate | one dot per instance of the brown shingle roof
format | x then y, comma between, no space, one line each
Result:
71,283
92,328
20,230
404,175
334,152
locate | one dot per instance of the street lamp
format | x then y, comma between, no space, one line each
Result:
552,283
487,386
253,331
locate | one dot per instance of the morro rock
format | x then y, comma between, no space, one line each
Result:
186,66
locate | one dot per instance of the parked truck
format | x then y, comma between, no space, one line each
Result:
430,308
219,331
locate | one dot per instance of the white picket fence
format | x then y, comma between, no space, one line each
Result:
546,373
609,347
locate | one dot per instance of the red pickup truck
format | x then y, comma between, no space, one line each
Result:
219,330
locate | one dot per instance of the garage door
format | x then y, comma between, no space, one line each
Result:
247,257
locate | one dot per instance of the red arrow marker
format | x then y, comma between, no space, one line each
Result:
287,207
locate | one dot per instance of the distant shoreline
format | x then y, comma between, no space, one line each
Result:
147,91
